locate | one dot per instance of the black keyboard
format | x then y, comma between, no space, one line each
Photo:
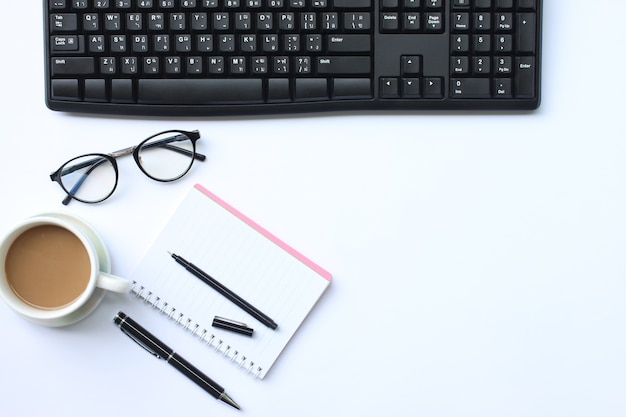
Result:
231,57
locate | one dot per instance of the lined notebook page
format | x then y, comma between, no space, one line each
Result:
245,258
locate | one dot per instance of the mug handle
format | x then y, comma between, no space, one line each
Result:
112,283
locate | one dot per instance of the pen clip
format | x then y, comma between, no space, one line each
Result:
143,345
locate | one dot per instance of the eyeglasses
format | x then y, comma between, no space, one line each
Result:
164,157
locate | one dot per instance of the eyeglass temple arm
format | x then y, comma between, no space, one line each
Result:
75,167
166,143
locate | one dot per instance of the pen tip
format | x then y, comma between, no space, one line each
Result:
224,397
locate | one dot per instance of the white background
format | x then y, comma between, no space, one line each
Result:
478,259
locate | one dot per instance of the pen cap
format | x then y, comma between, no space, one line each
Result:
232,325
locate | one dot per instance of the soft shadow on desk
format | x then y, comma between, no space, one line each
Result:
309,115
94,325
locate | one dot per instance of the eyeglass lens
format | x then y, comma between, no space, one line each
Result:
89,178
166,156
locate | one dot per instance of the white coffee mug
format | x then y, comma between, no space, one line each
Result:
53,255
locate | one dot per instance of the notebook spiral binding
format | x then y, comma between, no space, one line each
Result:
193,328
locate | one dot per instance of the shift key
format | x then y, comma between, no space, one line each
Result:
344,65
72,65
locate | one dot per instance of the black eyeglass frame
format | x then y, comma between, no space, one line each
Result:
56,176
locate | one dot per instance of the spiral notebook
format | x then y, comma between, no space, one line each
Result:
244,257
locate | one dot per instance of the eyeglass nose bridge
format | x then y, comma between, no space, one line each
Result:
123,152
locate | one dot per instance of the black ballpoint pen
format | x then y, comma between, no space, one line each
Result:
230,295
159,349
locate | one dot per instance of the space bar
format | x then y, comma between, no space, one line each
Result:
199,91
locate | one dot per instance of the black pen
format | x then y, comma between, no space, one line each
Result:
159,349
230,295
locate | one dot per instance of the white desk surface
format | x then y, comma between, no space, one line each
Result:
478,259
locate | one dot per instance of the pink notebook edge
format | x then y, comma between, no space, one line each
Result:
315,267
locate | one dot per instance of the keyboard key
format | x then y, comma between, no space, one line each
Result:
482,21
311,89
527,4
58,4
525,77
389,88
63,22
278,90
199,91
104,4
526,32
411,88
503,88
434,22
389,4
504,4
344,65
470,88
351,4
352,88
65,90
95,90
62,43
411,22
356,21
433,88
389,22
108,65
411,64
349,43
73,66
504,22
122,91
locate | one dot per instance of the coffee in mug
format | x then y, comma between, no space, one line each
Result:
52,272
47,267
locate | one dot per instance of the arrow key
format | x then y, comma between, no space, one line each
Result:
411,64
389,88
433,87
411,88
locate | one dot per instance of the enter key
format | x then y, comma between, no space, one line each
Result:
349,43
